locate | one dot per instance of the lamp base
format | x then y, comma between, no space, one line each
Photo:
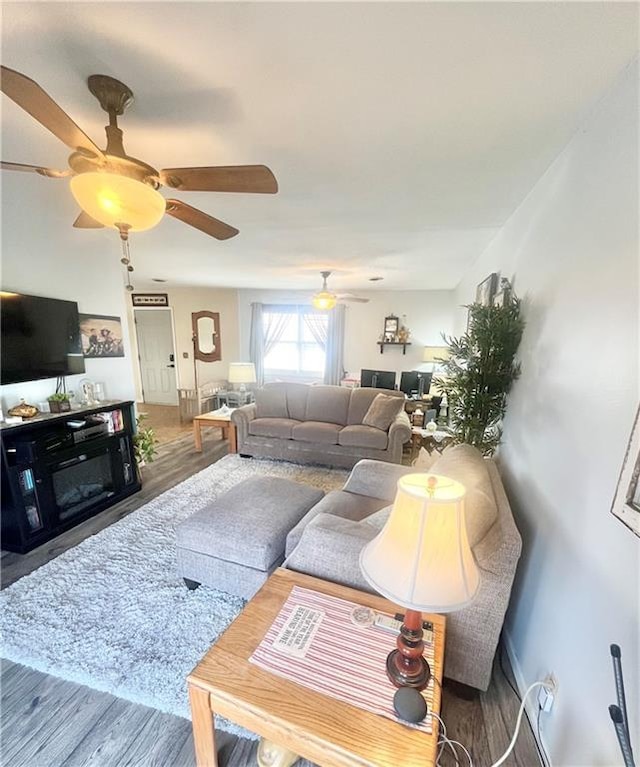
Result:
419,678
406,666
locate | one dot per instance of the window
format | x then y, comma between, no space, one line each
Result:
295,342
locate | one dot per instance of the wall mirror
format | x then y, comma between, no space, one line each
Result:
206,336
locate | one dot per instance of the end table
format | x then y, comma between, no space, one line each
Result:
222,422
306,722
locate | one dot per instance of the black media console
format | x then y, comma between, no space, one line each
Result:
58,470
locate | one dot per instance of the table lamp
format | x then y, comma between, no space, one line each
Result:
436,355
242,373
421,560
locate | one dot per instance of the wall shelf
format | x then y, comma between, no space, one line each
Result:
382,344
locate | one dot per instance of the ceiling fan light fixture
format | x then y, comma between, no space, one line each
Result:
324,300
113,200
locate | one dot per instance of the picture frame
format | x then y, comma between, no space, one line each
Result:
626,502
391,327
101,336
501,298
487,289
150,299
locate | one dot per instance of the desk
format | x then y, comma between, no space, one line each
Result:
306,722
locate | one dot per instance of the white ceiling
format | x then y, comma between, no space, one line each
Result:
402,135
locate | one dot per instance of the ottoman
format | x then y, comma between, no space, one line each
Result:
238,540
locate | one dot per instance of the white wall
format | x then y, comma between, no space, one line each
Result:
185,301
572,251
428,314
42,255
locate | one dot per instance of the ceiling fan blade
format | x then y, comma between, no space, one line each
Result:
256,179
30,96
84,221
354,299
49,172
202,221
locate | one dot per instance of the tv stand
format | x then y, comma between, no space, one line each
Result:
59,469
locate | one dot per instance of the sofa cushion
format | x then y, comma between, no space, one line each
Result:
297,394
248,525
383,411
465,464
379,518
340,504
316,431
328,404
271,402
272,427
363,436
361,399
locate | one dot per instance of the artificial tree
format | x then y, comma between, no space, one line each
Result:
480,371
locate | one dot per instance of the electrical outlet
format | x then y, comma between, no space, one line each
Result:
547,694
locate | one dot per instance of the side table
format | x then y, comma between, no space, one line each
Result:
299,719
222,422
431,440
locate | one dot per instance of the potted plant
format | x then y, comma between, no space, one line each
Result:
480,371
145,442
59,402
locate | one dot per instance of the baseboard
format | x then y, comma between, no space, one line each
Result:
531,706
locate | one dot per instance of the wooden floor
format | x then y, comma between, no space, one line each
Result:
165,421
48,722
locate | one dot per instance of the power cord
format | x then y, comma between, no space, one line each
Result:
444,740
544,758
519,721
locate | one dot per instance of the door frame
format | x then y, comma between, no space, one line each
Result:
173,338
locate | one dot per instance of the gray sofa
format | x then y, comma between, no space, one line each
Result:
328,540
317,424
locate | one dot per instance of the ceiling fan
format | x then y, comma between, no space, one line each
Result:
114,189
325,299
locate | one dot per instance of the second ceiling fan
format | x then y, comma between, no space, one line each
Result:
326,299
117,190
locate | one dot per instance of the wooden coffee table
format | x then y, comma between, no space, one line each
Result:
222,422
319,728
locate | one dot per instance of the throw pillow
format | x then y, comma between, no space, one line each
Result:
425,460
271,403
465,464
383,411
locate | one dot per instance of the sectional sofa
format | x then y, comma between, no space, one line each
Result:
328,540
318,424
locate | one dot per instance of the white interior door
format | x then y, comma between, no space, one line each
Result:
157,356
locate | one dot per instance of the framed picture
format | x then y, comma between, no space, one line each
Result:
486,290
101,336
391,327
501,298
150,299
626,504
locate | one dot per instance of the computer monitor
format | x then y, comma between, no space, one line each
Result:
415,383
378,379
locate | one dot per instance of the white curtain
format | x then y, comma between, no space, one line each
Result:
256,342
318,327
334,352
266,330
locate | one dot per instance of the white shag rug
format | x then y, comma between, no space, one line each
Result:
112,612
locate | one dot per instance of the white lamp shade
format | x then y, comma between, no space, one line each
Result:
421,559
242,372
435,353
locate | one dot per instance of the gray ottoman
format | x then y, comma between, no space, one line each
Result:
237,541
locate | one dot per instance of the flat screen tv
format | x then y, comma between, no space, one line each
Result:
40,338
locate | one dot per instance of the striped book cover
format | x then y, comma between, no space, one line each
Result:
306,645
